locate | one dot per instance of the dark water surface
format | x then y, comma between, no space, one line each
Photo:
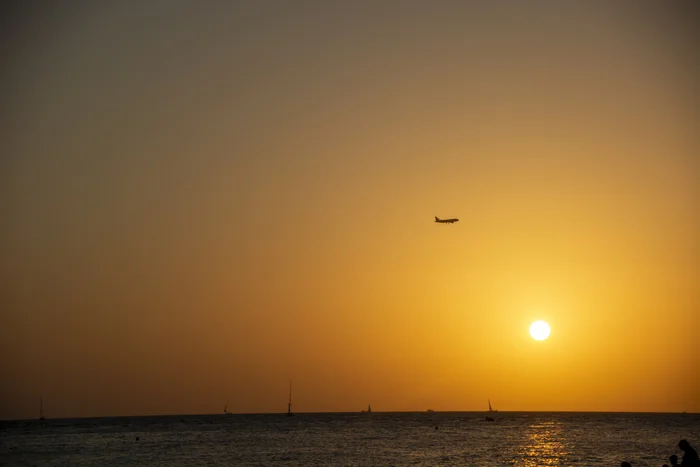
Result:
381,439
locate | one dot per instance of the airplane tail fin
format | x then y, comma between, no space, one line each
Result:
437,219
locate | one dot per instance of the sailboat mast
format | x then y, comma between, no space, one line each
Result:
289,405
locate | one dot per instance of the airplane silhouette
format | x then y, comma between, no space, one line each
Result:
446,221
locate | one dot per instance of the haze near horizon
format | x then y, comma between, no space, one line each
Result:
204,200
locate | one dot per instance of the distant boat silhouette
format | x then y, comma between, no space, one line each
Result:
289,404
226,412
41,408
369,409
487,418
430,411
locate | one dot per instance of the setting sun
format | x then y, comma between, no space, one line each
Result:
539,330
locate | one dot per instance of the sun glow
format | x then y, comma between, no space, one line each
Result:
539,330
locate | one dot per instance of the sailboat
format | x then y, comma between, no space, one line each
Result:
289,404
490,419
491,409
41,408
226,412
369,409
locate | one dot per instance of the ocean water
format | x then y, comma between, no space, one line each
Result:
363,439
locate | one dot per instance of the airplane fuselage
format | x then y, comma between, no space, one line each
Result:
446,221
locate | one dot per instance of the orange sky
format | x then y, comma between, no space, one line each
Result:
203,201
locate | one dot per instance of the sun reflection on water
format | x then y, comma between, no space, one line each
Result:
545,444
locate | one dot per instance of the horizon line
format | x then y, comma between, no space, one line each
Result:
352,412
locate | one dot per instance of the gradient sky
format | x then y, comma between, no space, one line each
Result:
202,200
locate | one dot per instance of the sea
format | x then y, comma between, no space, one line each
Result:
351,439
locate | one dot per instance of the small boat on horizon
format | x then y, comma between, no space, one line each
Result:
41,409
369,409
490,408
226,412
289,404
487,418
